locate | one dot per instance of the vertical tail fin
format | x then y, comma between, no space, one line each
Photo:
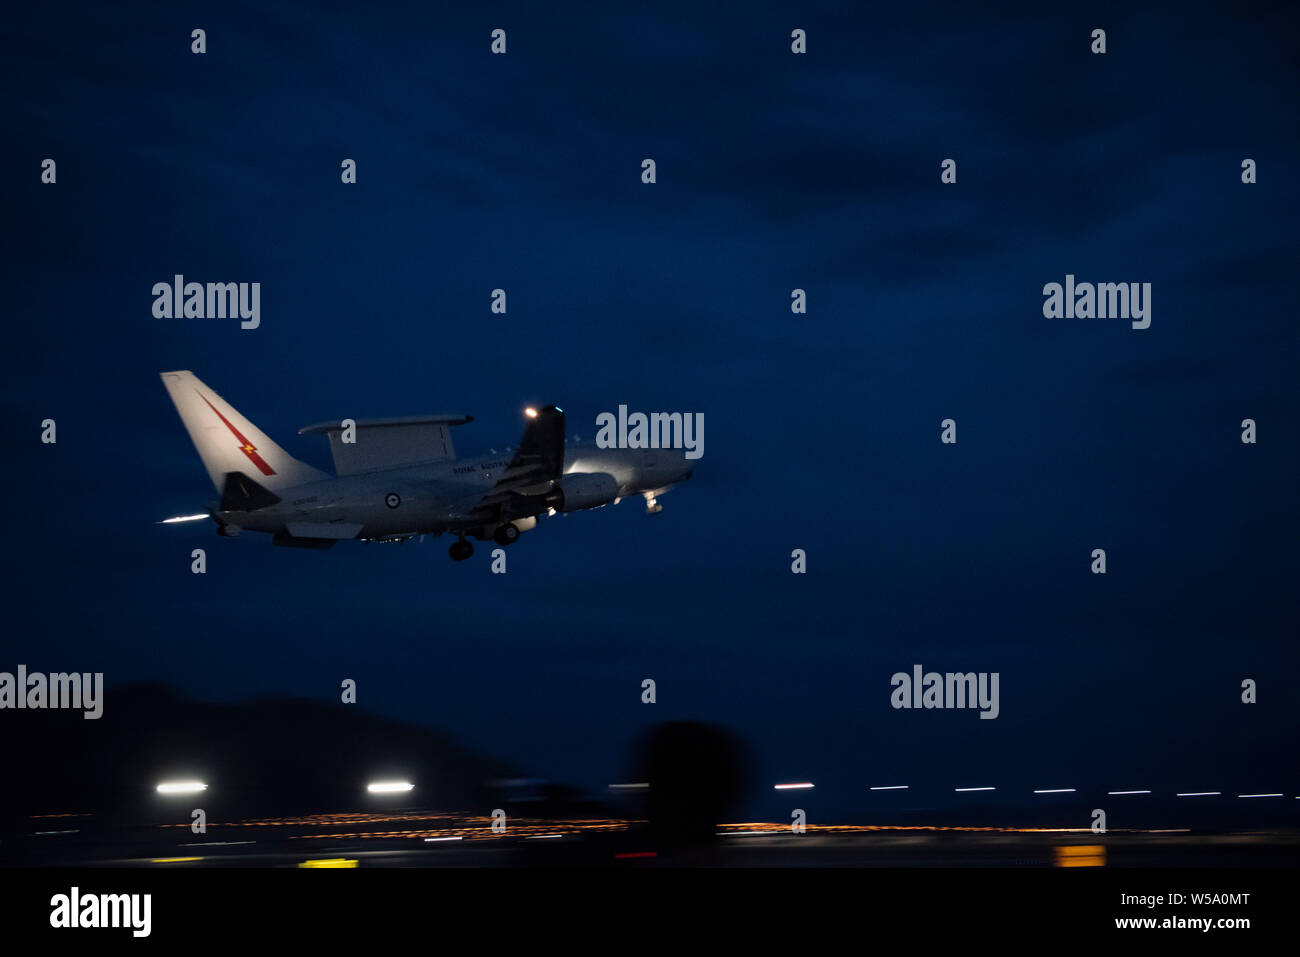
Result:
228,442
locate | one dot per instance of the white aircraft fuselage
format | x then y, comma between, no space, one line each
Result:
441,496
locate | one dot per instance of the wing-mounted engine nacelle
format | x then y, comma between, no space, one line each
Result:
579,490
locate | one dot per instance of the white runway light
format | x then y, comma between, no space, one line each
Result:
181,787
891,787
389,787
974,789
1128,792
1055,791
793,787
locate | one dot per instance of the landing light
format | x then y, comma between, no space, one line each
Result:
389,787
181,787
531,413
184,518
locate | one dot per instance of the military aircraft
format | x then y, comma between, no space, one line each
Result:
400,478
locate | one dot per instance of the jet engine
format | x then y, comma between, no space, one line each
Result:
579,490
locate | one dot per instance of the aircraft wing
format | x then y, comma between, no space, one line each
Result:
537,462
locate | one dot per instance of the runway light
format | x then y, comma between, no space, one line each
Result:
181,787
1055,791
389,787
184,518
974,789
1198,794
531,413
330,862
430,840
173,860
891,787
1259,795
1128,792
804,785
1081,855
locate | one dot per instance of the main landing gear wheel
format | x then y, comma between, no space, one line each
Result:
507,534
461,550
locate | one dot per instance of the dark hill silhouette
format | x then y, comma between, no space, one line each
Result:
265,757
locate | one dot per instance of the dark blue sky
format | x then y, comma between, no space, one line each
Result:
775,171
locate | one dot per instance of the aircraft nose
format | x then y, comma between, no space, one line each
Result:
680,468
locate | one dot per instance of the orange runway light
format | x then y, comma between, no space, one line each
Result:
1080,855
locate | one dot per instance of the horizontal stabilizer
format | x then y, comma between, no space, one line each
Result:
240,493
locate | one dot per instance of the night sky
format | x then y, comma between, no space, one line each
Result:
775,171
